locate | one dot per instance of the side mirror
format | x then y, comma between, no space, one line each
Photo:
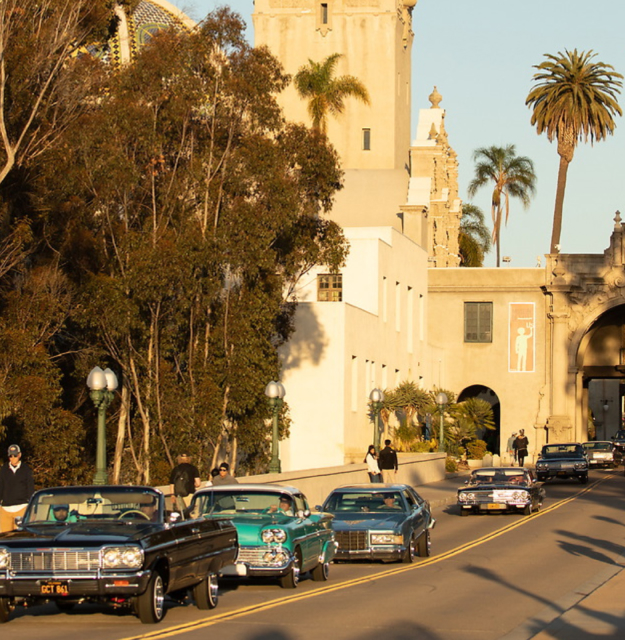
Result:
18,521
318,507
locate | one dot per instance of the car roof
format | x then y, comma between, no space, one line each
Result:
597,442
251,487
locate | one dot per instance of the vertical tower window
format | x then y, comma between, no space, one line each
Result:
366,139
324,13
478,321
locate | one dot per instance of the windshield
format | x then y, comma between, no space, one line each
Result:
498,476
367,501
597,446
562,450
619,435
75,504
225,503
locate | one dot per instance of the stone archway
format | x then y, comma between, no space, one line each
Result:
492,438
601,360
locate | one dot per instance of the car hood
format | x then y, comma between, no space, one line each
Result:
78,534
563,459
352,521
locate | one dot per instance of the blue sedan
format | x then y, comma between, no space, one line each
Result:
389,522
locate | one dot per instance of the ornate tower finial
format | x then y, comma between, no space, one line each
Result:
435,98
617,219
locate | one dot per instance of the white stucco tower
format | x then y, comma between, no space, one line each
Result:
375,39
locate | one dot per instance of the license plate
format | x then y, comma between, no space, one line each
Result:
54,588
495,505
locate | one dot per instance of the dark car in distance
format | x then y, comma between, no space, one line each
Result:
113,545
618,440
563,460
500,490
386,522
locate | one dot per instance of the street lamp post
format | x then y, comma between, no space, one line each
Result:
377,402
102,385
275,391
441,401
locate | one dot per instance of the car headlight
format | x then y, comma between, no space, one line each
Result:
5,558
275,558
273,535
581,465
122,558
386,538
466,496
519,496
541,465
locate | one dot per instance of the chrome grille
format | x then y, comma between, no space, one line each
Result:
251,555
351,540
55,561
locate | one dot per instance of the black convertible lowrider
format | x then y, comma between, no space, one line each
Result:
563,460
497,489
111,544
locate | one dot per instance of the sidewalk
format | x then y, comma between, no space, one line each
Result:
595,609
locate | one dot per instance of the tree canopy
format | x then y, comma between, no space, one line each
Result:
573,99
169,221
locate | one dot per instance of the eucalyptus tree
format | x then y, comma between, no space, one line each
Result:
187,209
474,238
326,94
574,99
511,176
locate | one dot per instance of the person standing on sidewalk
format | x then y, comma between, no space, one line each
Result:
224,476
387,461
371,460
184,480
521,443
16,487
510,448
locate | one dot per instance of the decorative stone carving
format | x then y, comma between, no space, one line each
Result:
435,99
559,428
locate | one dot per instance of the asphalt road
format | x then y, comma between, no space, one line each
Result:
490,576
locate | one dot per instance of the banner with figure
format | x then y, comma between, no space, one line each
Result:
521,337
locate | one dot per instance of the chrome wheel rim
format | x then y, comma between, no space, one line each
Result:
159,597
213,588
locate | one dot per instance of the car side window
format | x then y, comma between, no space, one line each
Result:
410,499
300,503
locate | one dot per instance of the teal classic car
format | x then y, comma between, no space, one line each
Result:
278,535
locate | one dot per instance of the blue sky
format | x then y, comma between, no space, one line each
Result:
479,53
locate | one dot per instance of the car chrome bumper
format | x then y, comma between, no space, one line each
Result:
388,552
250,563
93,585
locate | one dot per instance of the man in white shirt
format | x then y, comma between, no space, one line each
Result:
16,487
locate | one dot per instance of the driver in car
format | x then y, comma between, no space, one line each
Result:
61,513
284,506
150,510
389,502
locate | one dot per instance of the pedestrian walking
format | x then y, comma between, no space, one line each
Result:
371,460
510,447
521,443
17,485
387,461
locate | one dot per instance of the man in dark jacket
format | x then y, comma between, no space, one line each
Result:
184,480
387,461
16,487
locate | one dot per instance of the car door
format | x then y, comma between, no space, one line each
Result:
308,532
417,517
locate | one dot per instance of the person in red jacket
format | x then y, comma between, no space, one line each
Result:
16,487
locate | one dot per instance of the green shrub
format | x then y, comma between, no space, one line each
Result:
451,465
422,447
476,449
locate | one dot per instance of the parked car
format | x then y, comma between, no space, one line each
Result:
110,544
618,440
602,453
562,460
497,489
278,535
380,522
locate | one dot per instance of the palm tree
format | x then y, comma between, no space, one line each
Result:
474,237
574,99
513,176
325,93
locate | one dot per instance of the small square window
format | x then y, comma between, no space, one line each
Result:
478,321
330,287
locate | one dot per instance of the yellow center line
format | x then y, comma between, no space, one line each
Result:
245,611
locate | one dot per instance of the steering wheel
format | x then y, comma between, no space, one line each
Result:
132,512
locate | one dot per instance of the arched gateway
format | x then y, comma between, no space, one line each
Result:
587,347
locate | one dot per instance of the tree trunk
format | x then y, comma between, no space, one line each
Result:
557,212
121,431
